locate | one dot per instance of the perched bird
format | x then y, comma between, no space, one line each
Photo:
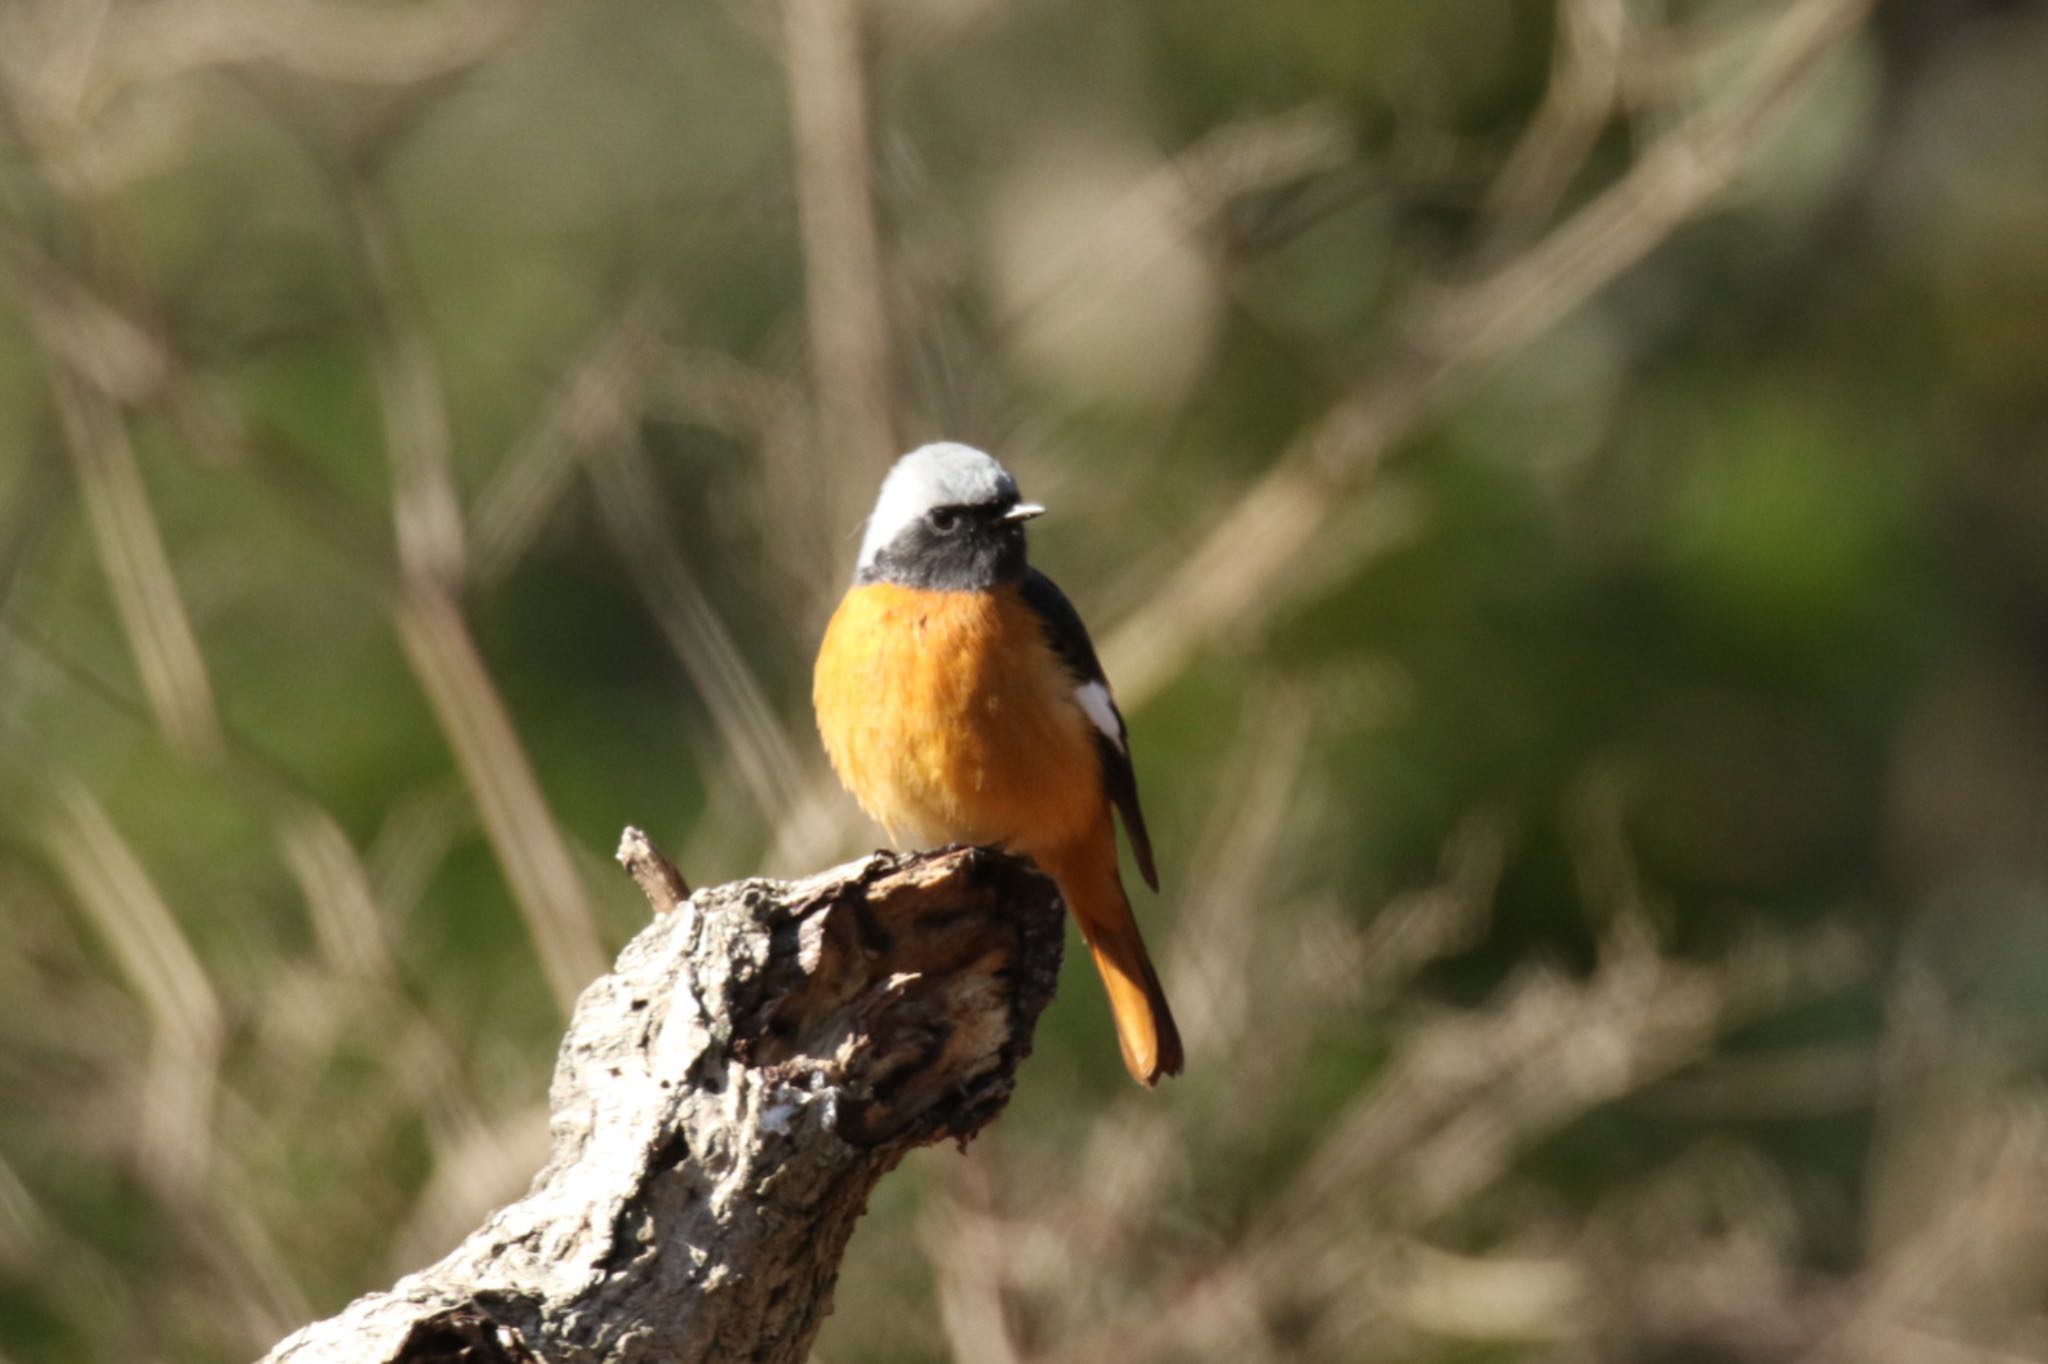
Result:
961,701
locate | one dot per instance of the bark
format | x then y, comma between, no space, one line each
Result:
725,1100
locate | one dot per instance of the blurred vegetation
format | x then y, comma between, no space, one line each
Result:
1589,687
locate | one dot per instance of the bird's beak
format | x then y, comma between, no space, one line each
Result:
1023,511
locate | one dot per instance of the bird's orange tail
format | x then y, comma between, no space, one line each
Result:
1144,1024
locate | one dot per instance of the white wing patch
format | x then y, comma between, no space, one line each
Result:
1094,699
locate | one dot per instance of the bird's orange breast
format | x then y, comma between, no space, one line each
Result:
951,720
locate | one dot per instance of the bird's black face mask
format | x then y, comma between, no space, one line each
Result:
954,549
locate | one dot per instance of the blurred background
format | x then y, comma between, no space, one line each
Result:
1561,488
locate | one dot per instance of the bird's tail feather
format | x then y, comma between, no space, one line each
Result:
1144,1023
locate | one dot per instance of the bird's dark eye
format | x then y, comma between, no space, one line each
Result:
944,519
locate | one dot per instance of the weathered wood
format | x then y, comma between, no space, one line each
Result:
724,1102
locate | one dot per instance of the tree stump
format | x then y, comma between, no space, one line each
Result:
724,1102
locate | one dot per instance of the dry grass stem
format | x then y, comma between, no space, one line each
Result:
845,285
174,1137
154,43
529,845
418,437
137,566
336,886
1590,54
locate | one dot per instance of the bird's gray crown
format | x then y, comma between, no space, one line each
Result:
946,474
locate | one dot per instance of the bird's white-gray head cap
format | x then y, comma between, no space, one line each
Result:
946,474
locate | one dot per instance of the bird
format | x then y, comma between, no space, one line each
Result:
961,701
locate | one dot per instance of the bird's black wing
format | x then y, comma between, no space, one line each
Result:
1069,639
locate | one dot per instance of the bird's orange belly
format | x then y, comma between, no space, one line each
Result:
951,720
